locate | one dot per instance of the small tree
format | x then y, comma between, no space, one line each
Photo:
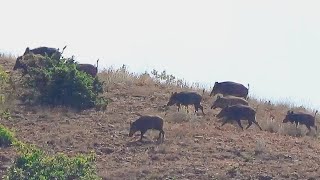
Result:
59,82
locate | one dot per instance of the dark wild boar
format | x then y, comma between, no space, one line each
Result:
143,123
45,51
51,52
239,112
230,88
27,61
302,118
186,98
20,65
222,102
89,69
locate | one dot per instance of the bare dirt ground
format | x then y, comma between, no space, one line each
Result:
195,146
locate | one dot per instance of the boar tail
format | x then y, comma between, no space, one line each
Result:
97,64
247,98
63,49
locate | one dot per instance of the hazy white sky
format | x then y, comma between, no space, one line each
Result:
273,45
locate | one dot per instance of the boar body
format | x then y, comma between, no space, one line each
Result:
222,102
144,123
237,113
230,88
301,118
186,98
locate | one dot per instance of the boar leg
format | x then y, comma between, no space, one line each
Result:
202,109
239,123
197,107
250,123
308,126
161,133
224,122
142,133
257,125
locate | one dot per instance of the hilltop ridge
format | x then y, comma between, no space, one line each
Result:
195,146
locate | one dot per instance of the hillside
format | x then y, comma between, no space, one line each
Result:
195,146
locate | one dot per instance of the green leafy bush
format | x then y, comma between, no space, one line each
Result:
33,163
102,103
6,137
59,82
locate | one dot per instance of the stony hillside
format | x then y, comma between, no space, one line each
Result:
195,146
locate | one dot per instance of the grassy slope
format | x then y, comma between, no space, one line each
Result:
195,146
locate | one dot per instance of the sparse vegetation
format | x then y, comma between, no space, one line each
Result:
33,163
260,147
6,137
6,94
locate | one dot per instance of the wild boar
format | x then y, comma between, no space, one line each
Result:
51,52
20,65
143,123
239,112
89,69
27,61
45,51
302,118
230,88
186,98
222,102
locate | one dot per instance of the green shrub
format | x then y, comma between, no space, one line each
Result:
59,82
33,163
102,103
6,137
5,92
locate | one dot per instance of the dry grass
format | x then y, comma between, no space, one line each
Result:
195,146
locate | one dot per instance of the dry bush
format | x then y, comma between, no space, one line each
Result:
7,61
292,130
111,76
270,125
144,80
181,116
260,147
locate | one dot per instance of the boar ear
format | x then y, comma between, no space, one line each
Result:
26,51
215,83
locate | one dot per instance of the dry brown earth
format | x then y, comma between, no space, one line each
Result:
195,146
